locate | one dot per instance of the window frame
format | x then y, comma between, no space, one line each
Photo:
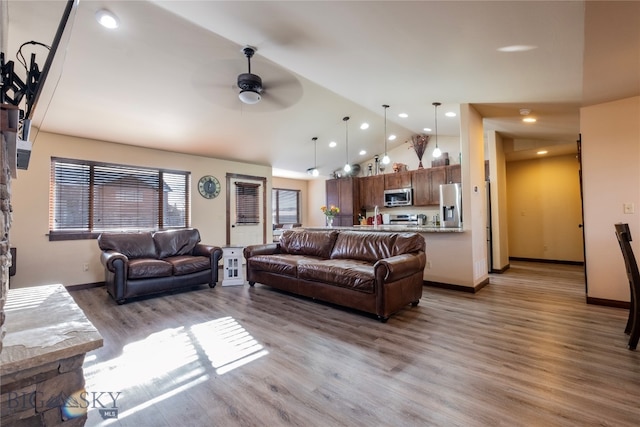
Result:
91,231
276,206
247,203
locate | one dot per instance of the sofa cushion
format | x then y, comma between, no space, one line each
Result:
132,245
175,242
279,264
364,246
144,268
305,242
346,273
187,264
407,243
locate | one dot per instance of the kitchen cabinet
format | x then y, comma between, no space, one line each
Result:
344,193
371,191
426,185
395,180
454,174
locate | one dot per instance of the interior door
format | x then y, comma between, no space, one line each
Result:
246,210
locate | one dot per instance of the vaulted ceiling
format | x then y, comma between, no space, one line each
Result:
166,78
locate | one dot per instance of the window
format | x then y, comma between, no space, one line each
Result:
87,198
247,203
286,206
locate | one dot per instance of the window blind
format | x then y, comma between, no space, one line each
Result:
247,203
286,206
94,197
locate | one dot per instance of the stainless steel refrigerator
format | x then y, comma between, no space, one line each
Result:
450,205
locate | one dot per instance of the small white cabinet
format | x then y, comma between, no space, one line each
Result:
233,274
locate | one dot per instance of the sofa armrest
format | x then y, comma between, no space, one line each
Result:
264,249
215,252
109,258
400,266
116,266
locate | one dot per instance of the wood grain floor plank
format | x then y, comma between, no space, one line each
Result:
525,351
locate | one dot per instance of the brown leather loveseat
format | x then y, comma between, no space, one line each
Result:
151,262
375,272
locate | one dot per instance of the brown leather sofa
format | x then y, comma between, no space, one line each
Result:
374,272
137,264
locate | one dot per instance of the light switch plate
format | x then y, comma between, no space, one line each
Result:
628,208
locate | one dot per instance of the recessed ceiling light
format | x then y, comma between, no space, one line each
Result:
450,114
529,120
403,115
516,48
107,19
427,129
332,144
364,126
392,137
363,152
541,152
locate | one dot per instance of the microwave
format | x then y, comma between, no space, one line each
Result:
399,197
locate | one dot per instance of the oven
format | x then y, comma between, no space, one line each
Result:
403,219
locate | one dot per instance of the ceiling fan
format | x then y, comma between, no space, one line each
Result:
250,84
275,89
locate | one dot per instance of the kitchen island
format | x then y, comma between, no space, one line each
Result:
445,267
396,228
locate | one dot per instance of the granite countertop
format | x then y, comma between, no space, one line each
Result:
395,228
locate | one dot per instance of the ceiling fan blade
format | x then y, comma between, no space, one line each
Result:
279,101
281,83
216,82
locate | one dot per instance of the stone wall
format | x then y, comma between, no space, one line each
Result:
45,395
5,217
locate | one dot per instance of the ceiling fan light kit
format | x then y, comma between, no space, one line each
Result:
249,97
250,84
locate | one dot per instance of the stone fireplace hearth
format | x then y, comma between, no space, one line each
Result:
48,335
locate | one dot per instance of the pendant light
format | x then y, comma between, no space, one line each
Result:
314,170
385,158
436,152
347,166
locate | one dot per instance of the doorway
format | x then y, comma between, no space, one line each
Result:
544,209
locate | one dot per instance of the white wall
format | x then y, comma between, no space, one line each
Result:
473,194
544,208
40,261
611,177
317,197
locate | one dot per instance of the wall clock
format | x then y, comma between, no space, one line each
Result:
209,187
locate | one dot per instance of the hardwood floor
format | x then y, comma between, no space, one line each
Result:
525,351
